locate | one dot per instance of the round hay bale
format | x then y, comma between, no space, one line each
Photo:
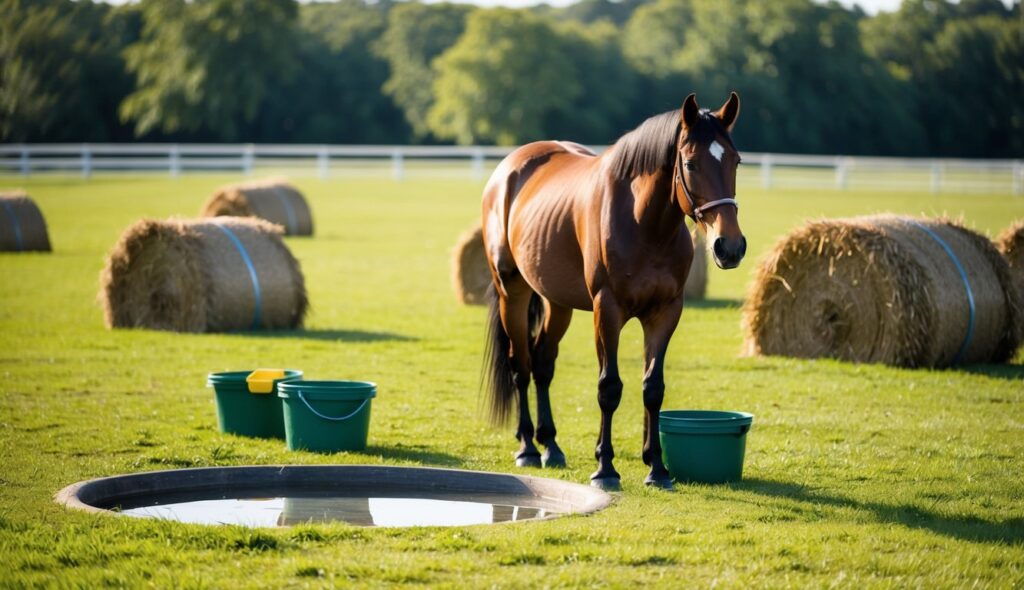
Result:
697,281
204,275
884,289
22,226
1011,245
470,276
273,199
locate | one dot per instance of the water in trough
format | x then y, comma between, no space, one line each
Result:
287,508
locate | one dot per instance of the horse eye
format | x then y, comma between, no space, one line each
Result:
690,165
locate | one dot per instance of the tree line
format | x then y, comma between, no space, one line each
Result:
934,78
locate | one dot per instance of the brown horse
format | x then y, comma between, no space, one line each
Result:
566,229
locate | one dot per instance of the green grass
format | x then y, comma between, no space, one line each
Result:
856,476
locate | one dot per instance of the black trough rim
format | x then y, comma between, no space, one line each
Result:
572,497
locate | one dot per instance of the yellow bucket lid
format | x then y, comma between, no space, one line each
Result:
262,380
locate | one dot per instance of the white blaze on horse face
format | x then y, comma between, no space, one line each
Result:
710,235
716,150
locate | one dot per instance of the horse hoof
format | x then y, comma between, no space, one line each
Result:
608,484
662,483
553,460
528,460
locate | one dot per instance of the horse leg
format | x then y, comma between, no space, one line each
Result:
515,316
658,329
608,320
545,352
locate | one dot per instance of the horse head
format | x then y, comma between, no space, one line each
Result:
705,176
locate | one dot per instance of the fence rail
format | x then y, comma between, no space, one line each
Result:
769,171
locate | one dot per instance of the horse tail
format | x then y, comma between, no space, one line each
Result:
498,375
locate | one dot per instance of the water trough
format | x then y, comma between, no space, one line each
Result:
362,495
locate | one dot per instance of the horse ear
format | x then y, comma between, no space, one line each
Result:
729,111
690,111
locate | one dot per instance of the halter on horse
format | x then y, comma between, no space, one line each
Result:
566,229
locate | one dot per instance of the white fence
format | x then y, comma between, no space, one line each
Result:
769,171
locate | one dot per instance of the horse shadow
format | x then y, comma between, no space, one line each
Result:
1010,531
416,454
1005,372
356,336
714,303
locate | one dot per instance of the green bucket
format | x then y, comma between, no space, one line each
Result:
704,446
248,414
327,416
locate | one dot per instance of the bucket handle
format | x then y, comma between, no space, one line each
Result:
333,419
743,430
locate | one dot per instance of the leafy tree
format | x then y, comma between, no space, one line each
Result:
616,12
103,34
33,61
337,98
899,39
830,96
603,108
973,8
960,64
501,81
973,88
208,64
936,77
806,82
61,75
416,34
654,37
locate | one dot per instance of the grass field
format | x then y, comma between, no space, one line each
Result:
856,476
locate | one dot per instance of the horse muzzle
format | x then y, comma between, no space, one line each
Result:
728,252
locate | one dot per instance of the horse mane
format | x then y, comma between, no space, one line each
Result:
652,145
